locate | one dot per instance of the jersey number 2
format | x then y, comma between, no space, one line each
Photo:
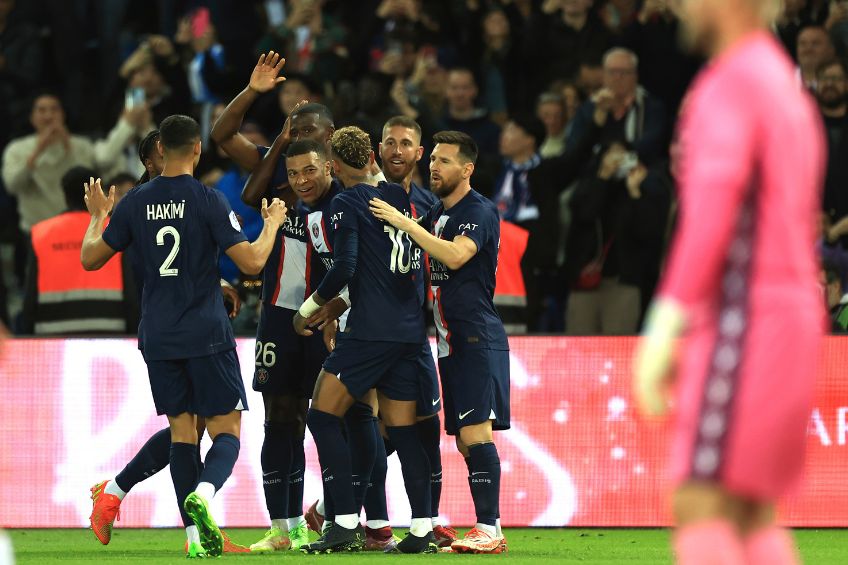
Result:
396,260
165,269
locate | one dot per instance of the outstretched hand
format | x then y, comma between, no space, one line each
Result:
274,212
388,213
98,204
265,74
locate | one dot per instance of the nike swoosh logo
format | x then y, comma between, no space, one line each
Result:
324,470
269,473
437,401
462,416
293,474
480,473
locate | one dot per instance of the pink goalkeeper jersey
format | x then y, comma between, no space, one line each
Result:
744,269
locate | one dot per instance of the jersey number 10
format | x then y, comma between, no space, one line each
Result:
165,269
396,262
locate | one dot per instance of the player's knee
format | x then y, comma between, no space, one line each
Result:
461,447
224,424
476,433
282,409
183,428
701,502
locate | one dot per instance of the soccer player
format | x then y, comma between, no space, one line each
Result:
177,225
461,235
153,456
379,347
741,285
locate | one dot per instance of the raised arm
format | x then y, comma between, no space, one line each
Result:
454,254
225,132
95,252
250,258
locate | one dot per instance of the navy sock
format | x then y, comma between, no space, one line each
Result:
276,459
296,473
485,481
334,456
220,460
375,496
183,473
429,431
390,447
197,458
361,423
415,468
153,456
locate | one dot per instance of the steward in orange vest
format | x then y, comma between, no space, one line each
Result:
60,296
510,292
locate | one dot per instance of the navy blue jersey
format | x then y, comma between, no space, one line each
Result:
385,291
321,233
463,309
177,227
422,200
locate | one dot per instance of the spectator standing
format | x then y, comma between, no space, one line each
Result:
814,49
832,96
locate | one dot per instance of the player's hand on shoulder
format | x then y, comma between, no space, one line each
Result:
388,213
98,204
275,212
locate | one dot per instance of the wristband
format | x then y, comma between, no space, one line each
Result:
308,307
345,295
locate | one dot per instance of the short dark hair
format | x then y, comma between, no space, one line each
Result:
324,113
306,146
467,146
179,132
832,63
352,146
147,146
42,93
402,121
72,185
532,126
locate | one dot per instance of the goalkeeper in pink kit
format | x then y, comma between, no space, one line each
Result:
741,289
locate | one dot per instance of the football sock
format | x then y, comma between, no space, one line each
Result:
708,543
361,436
771,545
113,489
153,456
192,535
296,474
485,482
292,523
429,431
334,456
220,461
276,459
415,468
375,497
281,524
183,474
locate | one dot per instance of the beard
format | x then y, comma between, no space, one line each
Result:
397,178
444,188
831,102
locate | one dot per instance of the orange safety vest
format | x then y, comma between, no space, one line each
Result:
510,293
71,299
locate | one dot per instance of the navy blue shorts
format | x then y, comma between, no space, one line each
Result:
430,398
390,367
286,363
206,386
475,386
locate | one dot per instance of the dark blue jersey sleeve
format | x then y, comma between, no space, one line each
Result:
345,255
118,234
222,221
476,223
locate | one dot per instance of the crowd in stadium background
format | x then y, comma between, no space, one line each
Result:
572,103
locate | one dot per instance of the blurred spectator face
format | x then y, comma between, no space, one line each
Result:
814,47
309,126
254,134
590,79
461,90
121,188
620,74
148,78
47,113
552,115
495,26
434,79
576,8
515,142
400,150
291,92
154,162
571,97
830,86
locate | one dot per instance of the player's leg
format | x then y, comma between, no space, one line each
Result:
764,541
378,531
218,395
362,426
708,520
295,519
184,473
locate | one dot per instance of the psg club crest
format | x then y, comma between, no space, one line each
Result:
315,231
262,376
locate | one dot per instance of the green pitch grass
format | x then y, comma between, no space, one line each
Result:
526,546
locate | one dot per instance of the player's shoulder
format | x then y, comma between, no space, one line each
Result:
476,201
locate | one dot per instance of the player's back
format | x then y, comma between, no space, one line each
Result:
753,94
175,227
385,293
